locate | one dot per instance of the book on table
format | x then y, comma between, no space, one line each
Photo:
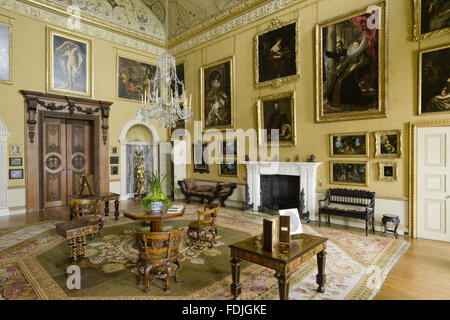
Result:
175,209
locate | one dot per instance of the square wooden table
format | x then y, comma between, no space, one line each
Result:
152,217
303,247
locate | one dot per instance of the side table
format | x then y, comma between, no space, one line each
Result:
392,218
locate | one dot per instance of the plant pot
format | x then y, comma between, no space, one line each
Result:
156,206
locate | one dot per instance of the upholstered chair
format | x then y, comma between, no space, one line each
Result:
159,256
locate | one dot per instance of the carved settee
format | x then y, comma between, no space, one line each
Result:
221,191
350,203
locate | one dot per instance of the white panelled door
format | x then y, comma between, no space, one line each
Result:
433,183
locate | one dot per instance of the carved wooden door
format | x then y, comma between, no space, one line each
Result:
67,149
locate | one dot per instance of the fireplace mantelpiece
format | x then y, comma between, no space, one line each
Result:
305,170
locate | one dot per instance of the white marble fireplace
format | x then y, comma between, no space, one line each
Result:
306,171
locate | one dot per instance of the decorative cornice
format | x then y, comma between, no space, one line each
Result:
87,27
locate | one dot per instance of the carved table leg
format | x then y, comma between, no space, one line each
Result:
384,225
283,285
321,277
235,274
116,208
106,208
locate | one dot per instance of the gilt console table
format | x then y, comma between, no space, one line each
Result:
303,247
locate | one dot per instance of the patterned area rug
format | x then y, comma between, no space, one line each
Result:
356,265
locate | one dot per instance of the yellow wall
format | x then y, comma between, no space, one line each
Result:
313,137
29,73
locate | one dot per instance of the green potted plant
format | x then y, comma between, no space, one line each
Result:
155,198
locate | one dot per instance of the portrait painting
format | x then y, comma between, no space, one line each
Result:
15,150
180,128
351,66
387,171
349,172
276,119
434,81
114,170
228,168
276,53
69,64
431,18
15,174
200,157
133,78
5,53
15,161
388,144
217,95
349,144
114,150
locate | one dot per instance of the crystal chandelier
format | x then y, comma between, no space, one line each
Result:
165,99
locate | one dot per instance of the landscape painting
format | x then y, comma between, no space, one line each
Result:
354,144
351,67
228,168
349,172
133,78
434,80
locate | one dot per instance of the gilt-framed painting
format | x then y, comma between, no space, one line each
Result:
388,144
276,117
217,94
349,172
349,144
431,18
352,66
434,81
132,78
276,53
387,171
5,54
229,168
180,128
228,148
15,149
200,157
69,63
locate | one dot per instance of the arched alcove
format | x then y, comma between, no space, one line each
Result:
135,134
4,135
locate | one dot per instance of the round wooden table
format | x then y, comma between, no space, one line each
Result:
151,217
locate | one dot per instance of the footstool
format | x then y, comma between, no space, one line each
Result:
392,218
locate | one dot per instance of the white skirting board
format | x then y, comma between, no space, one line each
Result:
16,202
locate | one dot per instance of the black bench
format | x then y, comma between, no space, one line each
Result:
349,203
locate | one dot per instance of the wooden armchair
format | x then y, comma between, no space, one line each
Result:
158,252
198,230
87,208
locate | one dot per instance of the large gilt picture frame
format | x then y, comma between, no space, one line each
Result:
352,66
434,81
132,78
5,54
69,63
200,157
431,18
217,94
349,172
349,145
277,112
276,53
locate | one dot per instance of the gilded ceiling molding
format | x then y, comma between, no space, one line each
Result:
92,30
234,23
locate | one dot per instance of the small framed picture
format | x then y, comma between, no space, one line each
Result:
349,172
114,160
114,150
387,171
15,150
114,170
228,168
15,174
15,161
388,144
